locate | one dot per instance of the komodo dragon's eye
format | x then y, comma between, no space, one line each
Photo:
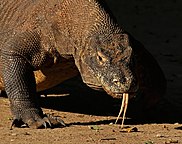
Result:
101,58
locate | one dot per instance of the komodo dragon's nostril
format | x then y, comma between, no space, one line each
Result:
116,82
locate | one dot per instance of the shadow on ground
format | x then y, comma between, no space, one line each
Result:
74,96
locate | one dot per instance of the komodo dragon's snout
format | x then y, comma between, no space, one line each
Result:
109,61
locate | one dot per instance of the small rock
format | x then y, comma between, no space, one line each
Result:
26,133
149,142
176,123
159,135
14,134
171,141
10,118
94,127
111,123
108,139
129,129
81,116
165,127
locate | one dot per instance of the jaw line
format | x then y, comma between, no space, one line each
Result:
95,87
119,95
114,95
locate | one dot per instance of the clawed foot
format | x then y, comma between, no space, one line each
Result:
48,121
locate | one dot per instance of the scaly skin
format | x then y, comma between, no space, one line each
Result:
55,39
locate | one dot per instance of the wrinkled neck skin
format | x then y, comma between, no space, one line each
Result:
100,48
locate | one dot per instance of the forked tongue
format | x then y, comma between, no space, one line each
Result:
123,108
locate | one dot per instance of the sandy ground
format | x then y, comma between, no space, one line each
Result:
89,114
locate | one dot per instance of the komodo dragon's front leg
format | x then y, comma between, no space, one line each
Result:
21,55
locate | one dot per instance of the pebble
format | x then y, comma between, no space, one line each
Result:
159,135
171,141
14,134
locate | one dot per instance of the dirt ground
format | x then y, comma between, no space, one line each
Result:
90,115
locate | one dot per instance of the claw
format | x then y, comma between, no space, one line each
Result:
44,124
61,121
56,120
46,120
13,123
16,123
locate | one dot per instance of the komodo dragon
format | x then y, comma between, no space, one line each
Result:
45,42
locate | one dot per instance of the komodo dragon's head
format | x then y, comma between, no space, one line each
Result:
108,62
103,55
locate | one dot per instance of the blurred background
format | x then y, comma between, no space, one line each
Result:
158,25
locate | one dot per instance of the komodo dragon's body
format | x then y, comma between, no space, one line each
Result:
45,42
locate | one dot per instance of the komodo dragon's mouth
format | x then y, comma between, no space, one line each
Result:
124,105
